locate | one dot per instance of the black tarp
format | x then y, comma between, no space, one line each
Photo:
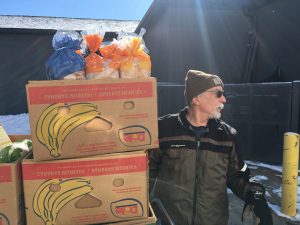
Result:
246,43
242,41
23,55
260,112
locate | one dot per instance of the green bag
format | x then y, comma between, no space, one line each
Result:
13,152
10,154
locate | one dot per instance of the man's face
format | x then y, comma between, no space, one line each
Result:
211,102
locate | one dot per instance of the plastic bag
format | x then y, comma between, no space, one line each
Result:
13,152
111,60
94,62
135,61
65,63
66,39
9,154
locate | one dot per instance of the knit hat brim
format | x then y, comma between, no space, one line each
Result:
197,82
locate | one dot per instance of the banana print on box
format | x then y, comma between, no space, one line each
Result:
58,120
52,195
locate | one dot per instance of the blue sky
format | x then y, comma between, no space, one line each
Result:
95,9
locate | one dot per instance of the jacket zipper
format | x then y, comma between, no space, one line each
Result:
196,183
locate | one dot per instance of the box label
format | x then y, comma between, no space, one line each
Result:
5,174
4,139
40,171
96,92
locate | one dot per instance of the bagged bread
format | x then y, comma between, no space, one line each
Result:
135,62
65,62
111,60
94,62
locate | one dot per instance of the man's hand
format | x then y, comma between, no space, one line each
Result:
255,200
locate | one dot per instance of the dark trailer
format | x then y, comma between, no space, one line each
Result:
252,44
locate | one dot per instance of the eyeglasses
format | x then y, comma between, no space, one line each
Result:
218,93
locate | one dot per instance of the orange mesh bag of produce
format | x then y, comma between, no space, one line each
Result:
135,62
111,60
94,62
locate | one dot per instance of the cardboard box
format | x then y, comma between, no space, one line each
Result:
19,137
12,209
11,198
105,188
151,220
79,118
4,139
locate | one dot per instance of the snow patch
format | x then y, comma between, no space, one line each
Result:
272,167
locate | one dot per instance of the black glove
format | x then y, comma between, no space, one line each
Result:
255,200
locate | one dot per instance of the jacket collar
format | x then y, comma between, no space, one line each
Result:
212,125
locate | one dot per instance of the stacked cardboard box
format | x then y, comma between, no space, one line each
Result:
11,210
89,161
11,195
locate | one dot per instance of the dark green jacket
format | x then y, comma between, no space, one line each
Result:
191,176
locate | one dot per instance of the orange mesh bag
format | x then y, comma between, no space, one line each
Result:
94,62
93,41
135,62
111,58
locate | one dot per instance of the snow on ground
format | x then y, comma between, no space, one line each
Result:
19,124
253,165
276,208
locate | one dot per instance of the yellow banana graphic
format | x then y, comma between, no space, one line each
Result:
72,110
45,199
48,200
57,117
43,124
66,197
64,186
41,192
69,125
52,122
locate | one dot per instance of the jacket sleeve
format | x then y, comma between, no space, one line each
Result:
238,173
154,161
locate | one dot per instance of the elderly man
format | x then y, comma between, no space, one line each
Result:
199,158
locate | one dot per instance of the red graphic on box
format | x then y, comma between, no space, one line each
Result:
134,136
89,92
5,174
127,209
40,171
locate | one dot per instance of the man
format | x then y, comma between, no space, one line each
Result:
199,158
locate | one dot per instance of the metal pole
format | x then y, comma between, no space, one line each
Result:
290,173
